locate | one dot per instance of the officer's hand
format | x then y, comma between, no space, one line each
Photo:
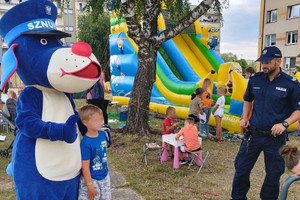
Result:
298,126
277,129
244,123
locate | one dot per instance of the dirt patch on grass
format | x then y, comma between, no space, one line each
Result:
4,185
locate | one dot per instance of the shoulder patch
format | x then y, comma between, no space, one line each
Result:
293,79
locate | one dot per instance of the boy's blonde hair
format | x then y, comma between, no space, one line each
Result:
86,111
169,109
190,120
222,89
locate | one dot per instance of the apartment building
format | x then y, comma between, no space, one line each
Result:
279,26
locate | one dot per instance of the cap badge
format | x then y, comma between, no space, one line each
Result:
48,10
264,52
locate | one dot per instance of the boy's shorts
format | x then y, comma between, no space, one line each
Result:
102,186
182,150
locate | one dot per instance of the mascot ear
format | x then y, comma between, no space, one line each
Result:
9,65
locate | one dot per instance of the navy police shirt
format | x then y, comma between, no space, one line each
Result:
273,101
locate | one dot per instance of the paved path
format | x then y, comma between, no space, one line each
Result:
122,193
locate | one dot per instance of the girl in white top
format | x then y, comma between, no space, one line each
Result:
218,113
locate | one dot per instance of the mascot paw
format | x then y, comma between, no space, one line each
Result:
70,129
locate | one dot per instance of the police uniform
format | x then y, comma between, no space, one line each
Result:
274,102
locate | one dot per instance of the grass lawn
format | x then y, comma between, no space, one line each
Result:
163,182
7,191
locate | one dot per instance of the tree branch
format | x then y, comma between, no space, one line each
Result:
152,10
184,23
134,28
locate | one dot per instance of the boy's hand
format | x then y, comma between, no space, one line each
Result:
213,103
92,192
70,129
177,123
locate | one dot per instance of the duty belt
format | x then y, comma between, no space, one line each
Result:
258,133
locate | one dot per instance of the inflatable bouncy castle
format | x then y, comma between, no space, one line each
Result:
182,64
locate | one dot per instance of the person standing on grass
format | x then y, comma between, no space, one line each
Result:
196,105
276,105
218,113
95,179
207,103
107,95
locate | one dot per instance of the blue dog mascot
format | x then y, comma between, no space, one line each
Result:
46,159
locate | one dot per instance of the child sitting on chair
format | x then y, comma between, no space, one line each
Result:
190,138
95,180
170,125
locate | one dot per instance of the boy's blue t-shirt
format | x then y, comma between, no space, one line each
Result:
94,149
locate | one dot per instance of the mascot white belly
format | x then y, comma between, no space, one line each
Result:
57,161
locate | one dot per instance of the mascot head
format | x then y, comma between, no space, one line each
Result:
37,54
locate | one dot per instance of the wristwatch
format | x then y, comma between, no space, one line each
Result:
285,124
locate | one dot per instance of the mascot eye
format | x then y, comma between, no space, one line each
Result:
43,41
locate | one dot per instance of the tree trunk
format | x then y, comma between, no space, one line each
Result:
148,41
137,121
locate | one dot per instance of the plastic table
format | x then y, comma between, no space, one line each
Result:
170,139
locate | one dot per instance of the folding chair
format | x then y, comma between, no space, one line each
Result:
196,156
5,152
153,145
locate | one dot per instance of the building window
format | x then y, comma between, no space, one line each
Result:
290,62
271,40
81,6
272,16
294,11
292,37
68,11
69,28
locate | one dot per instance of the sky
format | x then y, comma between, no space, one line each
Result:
239,33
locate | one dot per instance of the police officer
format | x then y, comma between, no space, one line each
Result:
276,105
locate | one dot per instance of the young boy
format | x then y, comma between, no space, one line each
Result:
95,180
170,125
190,138
218,113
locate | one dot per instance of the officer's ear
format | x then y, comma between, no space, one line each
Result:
278,61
